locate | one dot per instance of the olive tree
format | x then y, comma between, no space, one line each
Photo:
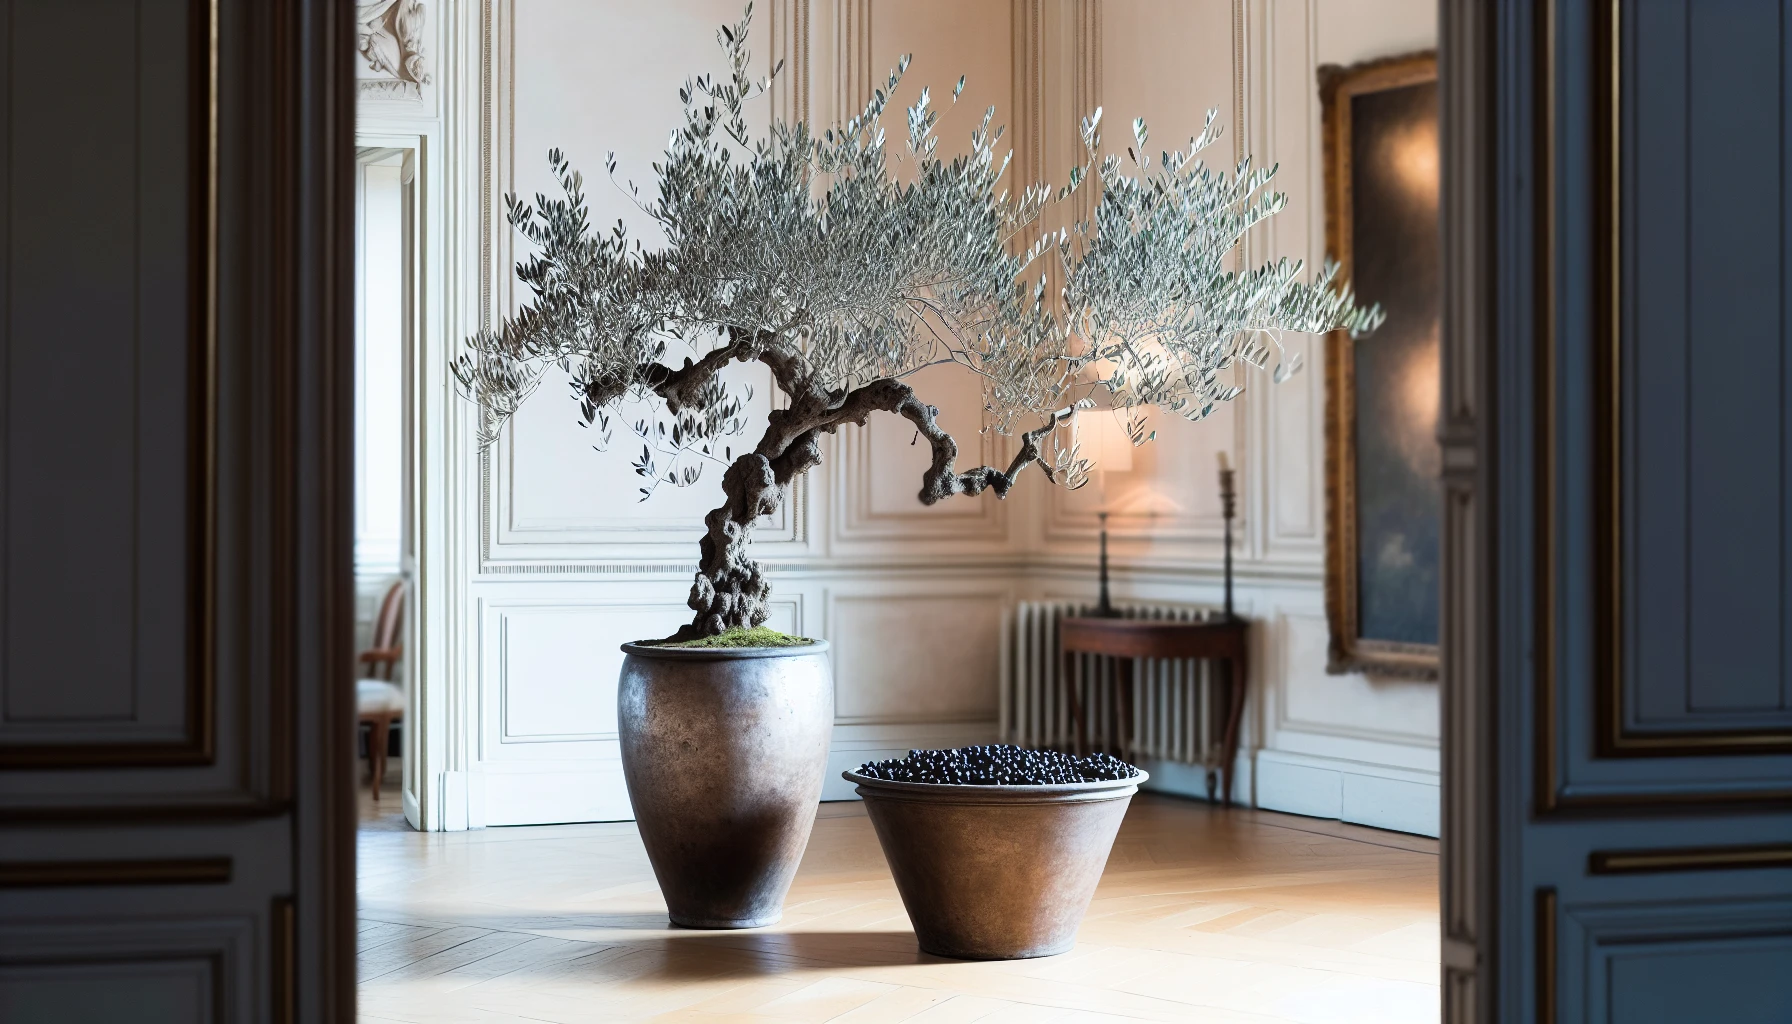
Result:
844,265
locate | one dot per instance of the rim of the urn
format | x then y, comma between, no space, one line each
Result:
648,649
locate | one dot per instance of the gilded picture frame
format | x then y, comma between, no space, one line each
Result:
1382,492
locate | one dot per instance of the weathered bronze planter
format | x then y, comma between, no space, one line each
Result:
724,750
996,872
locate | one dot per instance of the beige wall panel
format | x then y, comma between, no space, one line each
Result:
1358,30
1285,132
1350,717
553,667
947,38
881,467
1391,710
553,488
916,657
912,657
1168,63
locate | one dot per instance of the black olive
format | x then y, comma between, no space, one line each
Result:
992,764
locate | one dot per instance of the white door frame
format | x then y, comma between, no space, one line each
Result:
431,802
370,151
451,295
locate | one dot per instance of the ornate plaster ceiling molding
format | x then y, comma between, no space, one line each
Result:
389,35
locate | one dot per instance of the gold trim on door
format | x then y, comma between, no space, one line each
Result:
1614,739
1710,858
1543,251
1611,739
282,957
1546,965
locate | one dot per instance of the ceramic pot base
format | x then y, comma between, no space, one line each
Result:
724,750
996,872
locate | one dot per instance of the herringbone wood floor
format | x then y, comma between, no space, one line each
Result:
1203,915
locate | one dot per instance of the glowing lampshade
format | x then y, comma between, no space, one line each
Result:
1103,438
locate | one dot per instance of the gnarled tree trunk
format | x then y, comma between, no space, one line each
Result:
730,589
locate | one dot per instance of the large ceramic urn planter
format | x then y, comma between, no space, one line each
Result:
996,872
724,750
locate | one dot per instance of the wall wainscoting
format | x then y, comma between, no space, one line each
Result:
538,562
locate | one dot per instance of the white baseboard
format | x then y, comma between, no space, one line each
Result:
1401,799
590,792
1190,780
413,811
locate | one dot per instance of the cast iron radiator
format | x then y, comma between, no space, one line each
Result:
1174,704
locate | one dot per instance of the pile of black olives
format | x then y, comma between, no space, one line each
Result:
998,764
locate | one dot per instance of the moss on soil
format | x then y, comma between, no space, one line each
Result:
741,636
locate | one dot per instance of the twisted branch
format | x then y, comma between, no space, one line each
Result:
730,588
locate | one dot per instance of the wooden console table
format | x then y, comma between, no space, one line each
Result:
1226,639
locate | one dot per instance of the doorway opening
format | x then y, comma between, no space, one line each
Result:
552,563
385,562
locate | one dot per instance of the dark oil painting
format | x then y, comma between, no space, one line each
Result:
1383,495
1394,261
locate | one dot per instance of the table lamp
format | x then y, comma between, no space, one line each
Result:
1112,451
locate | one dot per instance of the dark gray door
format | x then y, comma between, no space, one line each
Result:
1621,584
174,686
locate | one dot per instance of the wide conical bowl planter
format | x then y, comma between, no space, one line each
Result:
996,872
724,750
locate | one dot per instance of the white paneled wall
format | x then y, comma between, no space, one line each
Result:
557,562
1337,746
916,658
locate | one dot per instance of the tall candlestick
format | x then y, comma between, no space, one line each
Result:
1103,607
1228,507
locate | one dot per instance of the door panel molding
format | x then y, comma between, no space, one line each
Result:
1599,937
198,467
219,952
1544,745
1548,965
283,989
1614,737
1705,858
189,871
197,743
1578,883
